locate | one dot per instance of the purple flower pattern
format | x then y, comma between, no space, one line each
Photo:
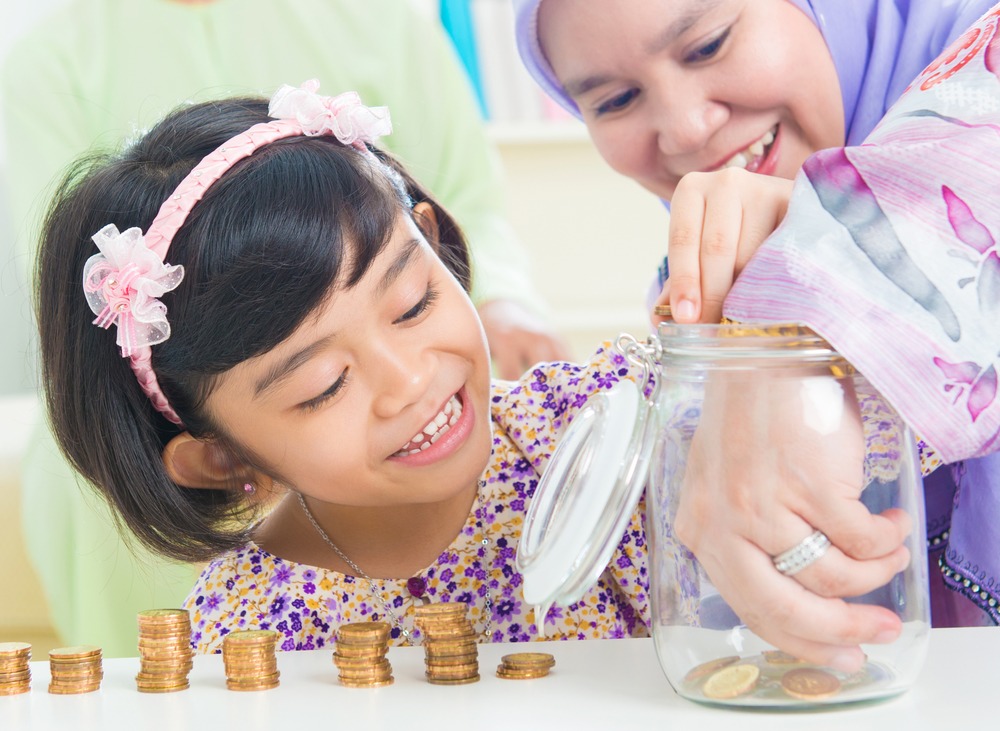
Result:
249,588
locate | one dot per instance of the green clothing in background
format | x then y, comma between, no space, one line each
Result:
98,71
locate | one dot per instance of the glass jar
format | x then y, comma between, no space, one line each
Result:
772,392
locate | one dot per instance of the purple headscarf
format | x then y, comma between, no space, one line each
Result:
878,47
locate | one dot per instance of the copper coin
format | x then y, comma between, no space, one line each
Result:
707,668
810,684
777,657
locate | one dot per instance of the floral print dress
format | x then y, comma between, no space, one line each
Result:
250,588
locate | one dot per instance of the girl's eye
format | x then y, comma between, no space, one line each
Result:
617,103
429,298
314,403
709,49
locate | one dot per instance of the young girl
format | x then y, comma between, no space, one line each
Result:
304,398
689,88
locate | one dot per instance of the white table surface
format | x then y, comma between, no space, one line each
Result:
595,685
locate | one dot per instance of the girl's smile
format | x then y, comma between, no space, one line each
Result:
441,436
669,87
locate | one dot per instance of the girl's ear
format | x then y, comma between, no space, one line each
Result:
204,464
426,219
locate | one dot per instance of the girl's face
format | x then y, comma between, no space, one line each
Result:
667,87
342,410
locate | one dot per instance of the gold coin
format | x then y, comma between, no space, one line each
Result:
160,615
72,653
14,648
251,637
454,681
707,668
777,657
810,684
529,660
15,690
348,683
731,681
662,311
150,689
73,690
506,674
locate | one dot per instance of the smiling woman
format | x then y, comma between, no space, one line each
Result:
669,88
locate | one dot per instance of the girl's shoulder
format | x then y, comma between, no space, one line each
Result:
560,385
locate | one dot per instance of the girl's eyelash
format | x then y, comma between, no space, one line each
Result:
314,403
709,49
418,309
429,298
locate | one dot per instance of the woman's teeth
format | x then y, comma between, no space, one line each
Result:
753,152
434,430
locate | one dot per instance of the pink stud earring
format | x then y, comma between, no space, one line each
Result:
249,489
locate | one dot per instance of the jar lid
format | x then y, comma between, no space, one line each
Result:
586,497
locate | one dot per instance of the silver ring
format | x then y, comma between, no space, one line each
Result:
807,552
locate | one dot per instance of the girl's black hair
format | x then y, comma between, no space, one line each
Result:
260,252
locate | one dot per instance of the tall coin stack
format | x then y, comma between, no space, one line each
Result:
450,652
75,670
250,660
361,654
15,673
165,655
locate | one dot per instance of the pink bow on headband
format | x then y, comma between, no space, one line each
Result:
123,285
343,116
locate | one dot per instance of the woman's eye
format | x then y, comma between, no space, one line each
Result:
314,403
422,306
709,49
618,102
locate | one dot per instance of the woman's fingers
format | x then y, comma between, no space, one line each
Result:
782,612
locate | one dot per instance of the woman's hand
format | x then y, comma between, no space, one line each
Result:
518,339
779,477
717,221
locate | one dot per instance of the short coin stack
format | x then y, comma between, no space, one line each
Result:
165,656
450,651
250,660
15,673
361,654
75,670
525,665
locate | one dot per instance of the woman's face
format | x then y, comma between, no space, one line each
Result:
668,87
381,398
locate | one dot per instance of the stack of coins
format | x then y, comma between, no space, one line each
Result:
75,670
250,660
165,656
361,654
450,651
15,673
525,665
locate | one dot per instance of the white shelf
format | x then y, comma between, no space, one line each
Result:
537,133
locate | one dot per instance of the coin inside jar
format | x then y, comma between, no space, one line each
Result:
707,668
810,684
731,681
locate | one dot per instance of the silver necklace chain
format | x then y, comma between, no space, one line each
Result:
371,582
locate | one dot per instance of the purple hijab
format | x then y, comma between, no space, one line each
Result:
878,47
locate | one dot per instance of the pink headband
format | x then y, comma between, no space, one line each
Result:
124,282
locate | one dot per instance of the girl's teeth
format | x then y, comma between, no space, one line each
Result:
435,429
757,148
768,138
737,160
